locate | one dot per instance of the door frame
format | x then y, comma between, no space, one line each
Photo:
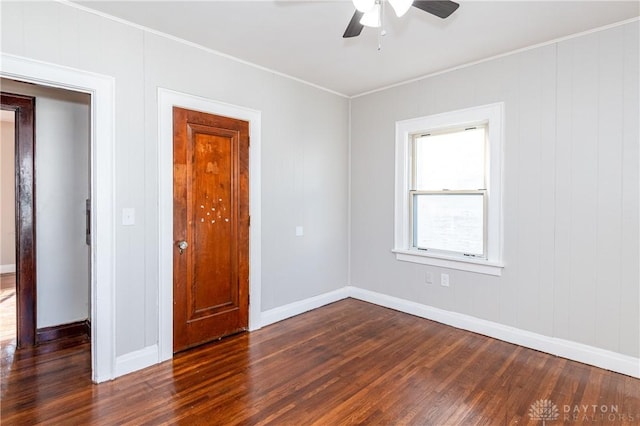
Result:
167,99
102,91
23,107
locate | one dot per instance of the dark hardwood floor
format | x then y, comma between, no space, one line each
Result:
346,363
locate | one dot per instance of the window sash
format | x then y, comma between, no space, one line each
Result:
414,156
414,220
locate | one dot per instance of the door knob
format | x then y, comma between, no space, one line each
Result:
182,246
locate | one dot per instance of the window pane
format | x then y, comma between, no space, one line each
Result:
452,160
452,222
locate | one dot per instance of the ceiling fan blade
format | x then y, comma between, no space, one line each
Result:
355,27
440,8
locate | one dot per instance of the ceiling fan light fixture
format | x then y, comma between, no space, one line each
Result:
364,5
372,18
400,6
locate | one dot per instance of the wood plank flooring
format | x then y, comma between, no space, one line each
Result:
7,307
346,363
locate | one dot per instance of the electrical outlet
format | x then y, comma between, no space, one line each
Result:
428,277
444,280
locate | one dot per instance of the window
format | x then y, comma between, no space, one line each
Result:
448,186
448,191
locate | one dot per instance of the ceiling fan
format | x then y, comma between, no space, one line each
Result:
369,12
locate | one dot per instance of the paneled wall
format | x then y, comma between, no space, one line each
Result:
570,170
304,153
571,189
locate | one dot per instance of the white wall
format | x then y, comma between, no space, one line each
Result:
571,119
571,189
62,186
304,153
7,196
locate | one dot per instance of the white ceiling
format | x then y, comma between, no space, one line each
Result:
303,39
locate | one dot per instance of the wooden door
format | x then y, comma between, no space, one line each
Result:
24,108
211,221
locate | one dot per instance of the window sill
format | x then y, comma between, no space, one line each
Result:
470,265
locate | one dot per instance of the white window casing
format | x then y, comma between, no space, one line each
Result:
493,116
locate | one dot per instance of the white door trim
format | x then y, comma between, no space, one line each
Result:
102,91
167,99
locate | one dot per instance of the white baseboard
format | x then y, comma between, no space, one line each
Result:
7,269
137,360
586,354
564,348
149,356
296,308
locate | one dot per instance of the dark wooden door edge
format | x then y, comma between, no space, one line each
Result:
57,332
24,108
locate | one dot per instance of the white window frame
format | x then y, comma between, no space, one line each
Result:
493,115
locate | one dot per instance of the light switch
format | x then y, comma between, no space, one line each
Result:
444,280
299,231
128,216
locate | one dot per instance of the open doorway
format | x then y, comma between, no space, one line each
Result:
53,284
101,88
7,231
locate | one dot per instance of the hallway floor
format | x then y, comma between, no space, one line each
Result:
7,308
